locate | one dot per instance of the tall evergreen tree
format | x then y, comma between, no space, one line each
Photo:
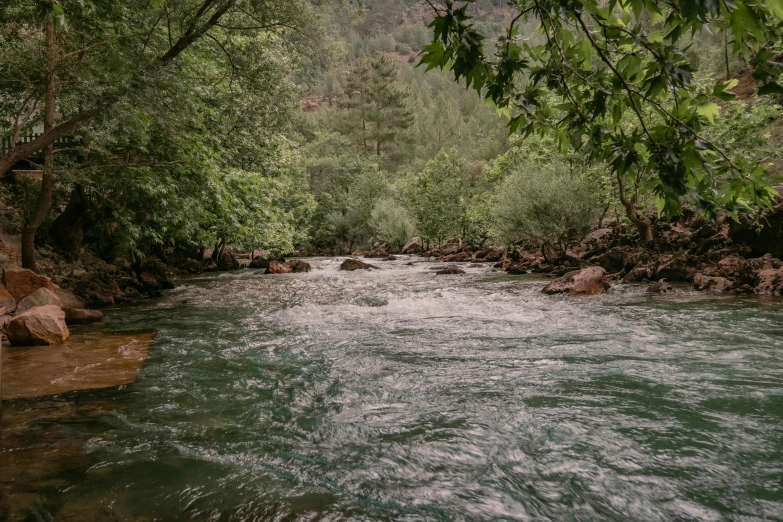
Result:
375,105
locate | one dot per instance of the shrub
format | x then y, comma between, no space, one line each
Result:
391,223
547,205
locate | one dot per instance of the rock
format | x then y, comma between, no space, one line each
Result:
587,281
4,320
678,268
490,255
82,316
260,262
69,300
712,285
298,266
227,261
451,247
355,264
594,238
413,246
41,325
769,281
153,275
7,301
20,282
661,287
640,273
449,270
192,266
617,259
276,267
41,297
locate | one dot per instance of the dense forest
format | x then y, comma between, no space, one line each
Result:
323,127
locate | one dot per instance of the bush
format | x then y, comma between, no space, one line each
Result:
547,205
391,223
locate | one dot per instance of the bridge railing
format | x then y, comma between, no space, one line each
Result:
60,143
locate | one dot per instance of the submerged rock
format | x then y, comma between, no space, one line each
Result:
587,281
41,325
41,297
20,282
82,316
83,362
661,287
450,270
354,264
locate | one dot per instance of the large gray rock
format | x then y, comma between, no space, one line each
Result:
41,325
587,281
41,297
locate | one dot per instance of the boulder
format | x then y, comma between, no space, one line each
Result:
41,325
260,262
711,284
82,316
41,297
587,281
7,301
20,282
276,267
227,261
413,246
769,281
451,247
69,300
449,270
298,266
355,264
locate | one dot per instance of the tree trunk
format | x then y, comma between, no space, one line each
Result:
67,232
48,178
643,226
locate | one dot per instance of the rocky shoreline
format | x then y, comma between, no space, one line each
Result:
722,257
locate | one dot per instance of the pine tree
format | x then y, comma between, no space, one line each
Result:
375,106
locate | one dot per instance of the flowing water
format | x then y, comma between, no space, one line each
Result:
396,394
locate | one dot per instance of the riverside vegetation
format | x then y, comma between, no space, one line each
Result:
642,137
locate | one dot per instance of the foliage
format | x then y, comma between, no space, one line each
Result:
549,206
391,224
437,198
608,62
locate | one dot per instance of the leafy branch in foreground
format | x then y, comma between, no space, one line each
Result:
624,87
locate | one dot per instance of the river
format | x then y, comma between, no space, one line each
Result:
396,394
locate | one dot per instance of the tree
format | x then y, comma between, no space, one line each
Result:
124,61
608,63
376,107
391,223
437,198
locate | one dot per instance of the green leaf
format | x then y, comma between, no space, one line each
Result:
770,88
709,110
776,6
